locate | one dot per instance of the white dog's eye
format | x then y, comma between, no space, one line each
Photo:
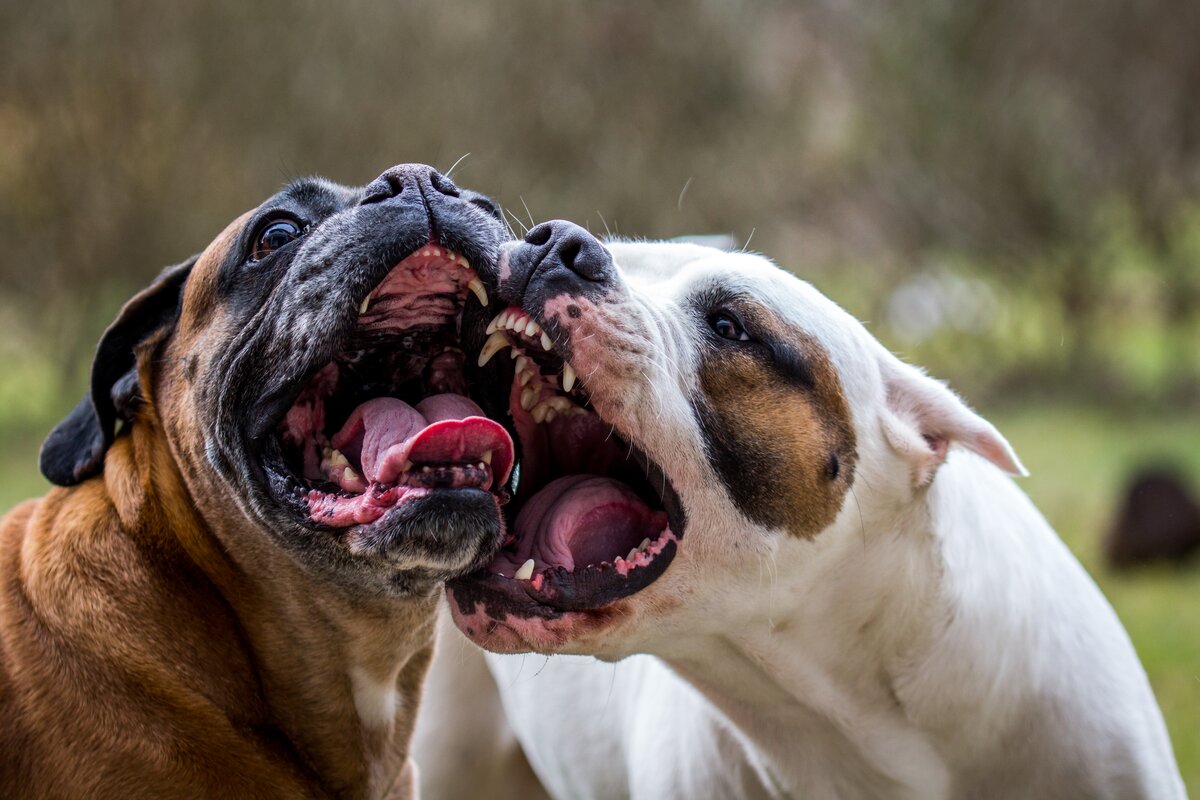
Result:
727,326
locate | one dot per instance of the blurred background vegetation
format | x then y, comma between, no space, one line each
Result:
1008,192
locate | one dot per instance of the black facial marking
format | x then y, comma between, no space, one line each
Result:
774,418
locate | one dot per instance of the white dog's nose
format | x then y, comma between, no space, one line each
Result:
566,247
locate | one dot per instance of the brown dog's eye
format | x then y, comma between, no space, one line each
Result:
274,236
727,326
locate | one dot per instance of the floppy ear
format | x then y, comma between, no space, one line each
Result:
74,450
924,418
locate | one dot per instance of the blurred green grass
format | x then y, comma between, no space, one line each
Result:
1079,458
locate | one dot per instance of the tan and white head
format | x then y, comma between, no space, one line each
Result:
685,415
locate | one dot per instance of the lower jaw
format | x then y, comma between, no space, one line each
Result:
507,615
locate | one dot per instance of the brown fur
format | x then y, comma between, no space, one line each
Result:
779,437
154,644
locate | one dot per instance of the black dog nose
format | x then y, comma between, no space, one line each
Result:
572,249
417,178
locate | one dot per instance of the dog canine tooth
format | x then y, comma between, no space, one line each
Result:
568,377
525,572
546,342
494,325
495,343
476,286
362,309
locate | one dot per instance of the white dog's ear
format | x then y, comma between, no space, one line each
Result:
923,418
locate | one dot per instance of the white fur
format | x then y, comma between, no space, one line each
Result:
375,701
936,640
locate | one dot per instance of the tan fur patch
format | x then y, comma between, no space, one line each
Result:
784,447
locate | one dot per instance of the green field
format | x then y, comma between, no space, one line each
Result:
1078,459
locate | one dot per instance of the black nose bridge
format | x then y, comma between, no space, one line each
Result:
422,181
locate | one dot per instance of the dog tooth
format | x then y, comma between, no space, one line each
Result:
514,321
525,376
551,413
531,328
337,459
487,459
546,342
515,352
349,475
362,309
481,466
495,343
525,572
632,554
408,465
522,361
494,325
568,377
529,396
645,543
476,286
539,412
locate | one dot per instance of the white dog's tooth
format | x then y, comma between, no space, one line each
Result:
531,328
546,345
568,377
487,459
362,309
645,543
408,465
337,459
529,396
632,554
525,572
495,343
539,412
494,325
476,287
522,361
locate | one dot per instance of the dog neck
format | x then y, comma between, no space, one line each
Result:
337,676
814,643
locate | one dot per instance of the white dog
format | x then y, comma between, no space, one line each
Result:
835,588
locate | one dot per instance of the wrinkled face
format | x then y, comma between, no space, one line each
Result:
317,379
677,409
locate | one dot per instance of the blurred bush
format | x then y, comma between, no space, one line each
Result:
1009,190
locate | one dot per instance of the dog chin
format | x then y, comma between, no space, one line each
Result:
445,533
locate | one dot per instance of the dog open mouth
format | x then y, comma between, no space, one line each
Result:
592,519
388,419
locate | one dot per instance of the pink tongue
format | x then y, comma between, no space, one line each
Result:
584,519
385,434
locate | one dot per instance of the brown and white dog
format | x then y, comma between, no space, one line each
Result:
807,553
275,469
